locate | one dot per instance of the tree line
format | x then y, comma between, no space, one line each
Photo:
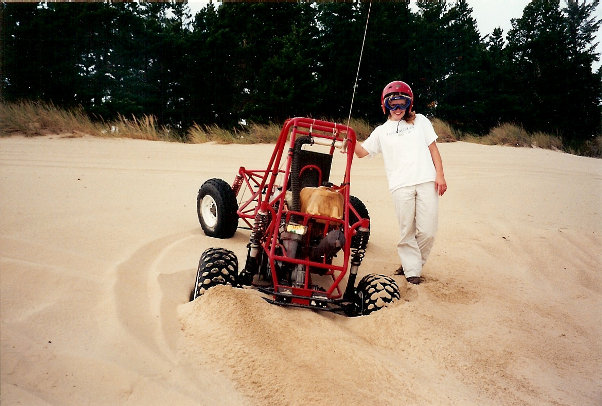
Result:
265,62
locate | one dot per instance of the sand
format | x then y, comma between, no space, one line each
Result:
99,243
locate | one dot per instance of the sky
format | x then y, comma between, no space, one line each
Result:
489,14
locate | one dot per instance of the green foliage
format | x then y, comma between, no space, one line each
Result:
552,69
455,92
266,62
108,58
40,53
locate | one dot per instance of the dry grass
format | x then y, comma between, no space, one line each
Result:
516,136
36,118
445,131
546,141
361,127
507,134
199,134
592,147
254,133
144,128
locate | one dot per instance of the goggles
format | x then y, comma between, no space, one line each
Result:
397,102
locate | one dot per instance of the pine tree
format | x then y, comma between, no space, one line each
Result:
584,87
551,58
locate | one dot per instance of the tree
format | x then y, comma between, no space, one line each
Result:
388,55
209,52
40,56
340,39
266,62
553,70
280,62
500,95
584,86
164,64
460,92
429,57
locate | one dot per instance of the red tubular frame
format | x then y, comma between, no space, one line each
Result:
265,193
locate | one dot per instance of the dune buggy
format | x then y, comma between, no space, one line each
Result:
308,235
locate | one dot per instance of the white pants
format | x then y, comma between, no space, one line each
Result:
417,210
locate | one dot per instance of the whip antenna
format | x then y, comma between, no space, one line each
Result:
358,65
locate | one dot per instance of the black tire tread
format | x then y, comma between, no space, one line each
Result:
217,266
375,292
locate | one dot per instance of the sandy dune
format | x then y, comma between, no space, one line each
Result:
99,243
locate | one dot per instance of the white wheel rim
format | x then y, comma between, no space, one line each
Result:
209,211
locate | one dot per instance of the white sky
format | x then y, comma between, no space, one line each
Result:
489,15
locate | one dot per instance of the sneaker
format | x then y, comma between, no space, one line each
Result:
414,280
399,271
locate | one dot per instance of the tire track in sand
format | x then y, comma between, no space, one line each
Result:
144,312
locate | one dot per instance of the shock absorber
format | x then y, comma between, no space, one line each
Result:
262,220
237,183
358,251
260,226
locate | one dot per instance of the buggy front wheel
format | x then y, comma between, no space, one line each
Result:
375,292
216,208
217,266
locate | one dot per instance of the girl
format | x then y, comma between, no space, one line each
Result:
414,172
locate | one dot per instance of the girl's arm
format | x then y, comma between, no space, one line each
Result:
440,184
360,151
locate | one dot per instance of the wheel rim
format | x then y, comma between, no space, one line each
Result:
209,211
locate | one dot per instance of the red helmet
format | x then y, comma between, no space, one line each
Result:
396,87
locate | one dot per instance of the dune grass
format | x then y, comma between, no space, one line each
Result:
444,131
250,134
516,136
36,118
254,133
143,128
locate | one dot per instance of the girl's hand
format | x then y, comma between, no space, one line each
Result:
344,146
440,184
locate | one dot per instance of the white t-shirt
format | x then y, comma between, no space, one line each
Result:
405,151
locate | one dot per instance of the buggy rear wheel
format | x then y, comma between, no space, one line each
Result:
216,208
361,209
375,292
217,266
